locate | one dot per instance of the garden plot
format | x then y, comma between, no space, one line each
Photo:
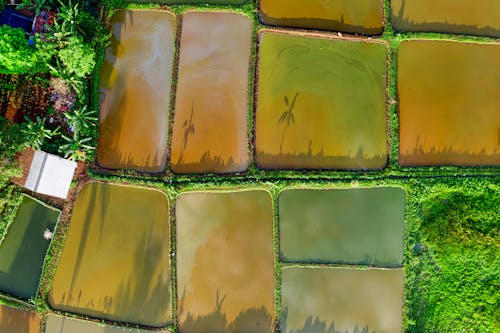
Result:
321,103
359,16
24,247
449,107
18,321
210,124
225,261
115,259
60,324
331,300
351,226
455,16
135,85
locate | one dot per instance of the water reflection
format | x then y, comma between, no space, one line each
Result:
455,16
135,91
22,252
118,236
321,103
59,324
342,300
210,123
18,321
225,261
449,107
352,226
357,16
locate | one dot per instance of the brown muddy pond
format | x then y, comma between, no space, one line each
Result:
134,91
225,261
60,324
454,16
115,259
449,106
352,226
23,250
321,103
18,321
210,122
356,16
321,300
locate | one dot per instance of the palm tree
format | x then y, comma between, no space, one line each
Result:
188,130
287,117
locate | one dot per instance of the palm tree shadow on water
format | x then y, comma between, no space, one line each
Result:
287,117
250,320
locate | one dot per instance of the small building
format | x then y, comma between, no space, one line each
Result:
50,175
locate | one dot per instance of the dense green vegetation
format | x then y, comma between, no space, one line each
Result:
454,275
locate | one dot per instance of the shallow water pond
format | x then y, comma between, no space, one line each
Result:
356,16
60,324
449,107
225,261
321,103
353,226
135,91
23,250
115,259
210,122
325,300
455,16
18,321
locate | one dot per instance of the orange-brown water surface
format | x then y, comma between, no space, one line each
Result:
18,321
479,17
135,91
210,123
449,103
225,261
358,16
115,260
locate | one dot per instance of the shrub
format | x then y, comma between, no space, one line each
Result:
18,57
77,58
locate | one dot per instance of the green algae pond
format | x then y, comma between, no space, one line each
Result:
352,226
321,102
115,260
24,247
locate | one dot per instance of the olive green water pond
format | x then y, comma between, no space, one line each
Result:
354,226
357,16
325,300
321,102
135,91
479,17
225,262
23,250
18,321
114,263
60,324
